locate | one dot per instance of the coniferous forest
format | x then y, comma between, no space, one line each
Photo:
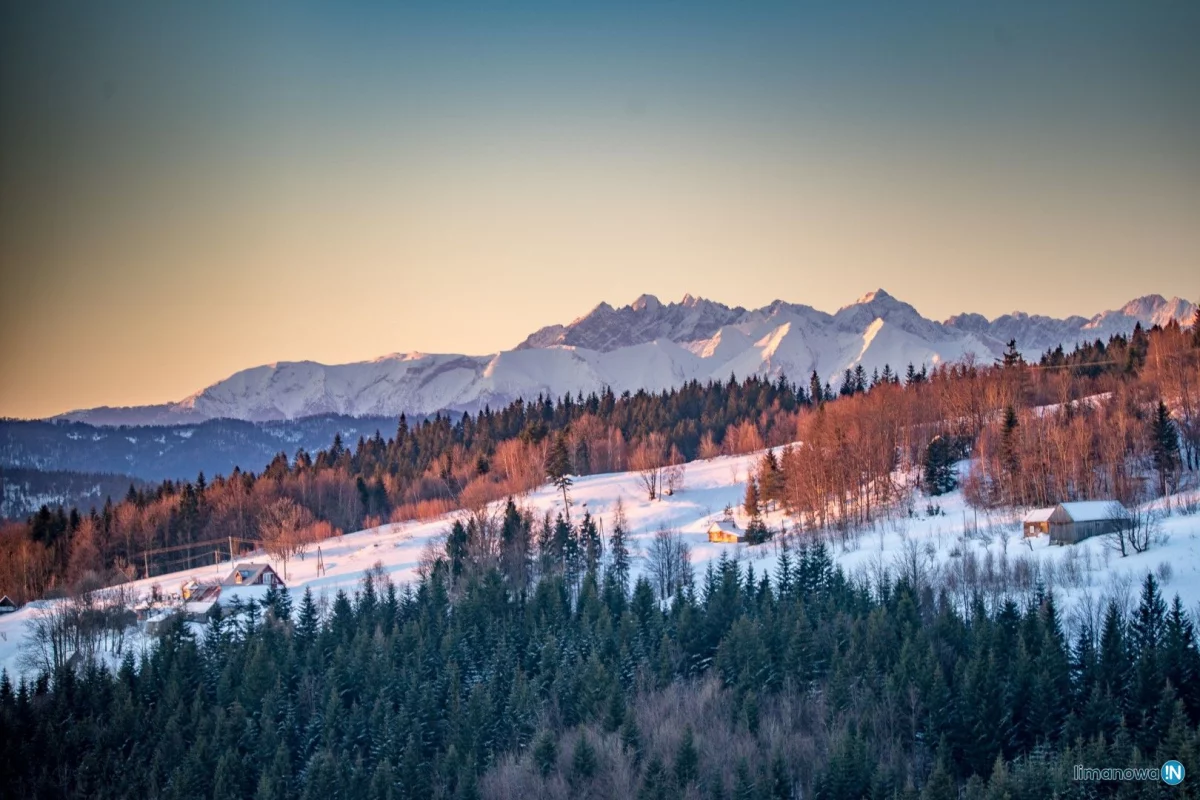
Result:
796,684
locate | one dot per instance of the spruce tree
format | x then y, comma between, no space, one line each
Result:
939,467
583,761
618,550
558,467
1012,356
687,760
816,391
1164,446
545,752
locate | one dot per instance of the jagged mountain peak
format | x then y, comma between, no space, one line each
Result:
871,297
646,302
644,345
1144,306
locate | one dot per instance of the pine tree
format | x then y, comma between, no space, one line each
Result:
456,548
583,761
558,467
687,760
770,478
589,538
939,467
1164,446
940,785
848,383
618,550
656,783
545,752
1009,461
1012,356
816,391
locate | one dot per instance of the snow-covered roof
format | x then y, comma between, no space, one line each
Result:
1092,510
726,525
199,606
1039,515
255,592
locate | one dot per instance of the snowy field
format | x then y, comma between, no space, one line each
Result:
949,546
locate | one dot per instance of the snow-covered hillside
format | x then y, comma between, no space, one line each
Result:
646,345
947,546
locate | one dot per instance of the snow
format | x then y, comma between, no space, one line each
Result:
944,532
646,345
1039,515
1090,510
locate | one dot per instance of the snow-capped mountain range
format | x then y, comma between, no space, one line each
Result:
645,345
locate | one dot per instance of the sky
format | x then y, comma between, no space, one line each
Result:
187,190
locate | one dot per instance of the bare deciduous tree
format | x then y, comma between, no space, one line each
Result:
647,460
286,530
674,473
1138,529
669,562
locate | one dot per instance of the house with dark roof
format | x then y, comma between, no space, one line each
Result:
252,574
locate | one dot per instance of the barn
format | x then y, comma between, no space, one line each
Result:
1073,522
725,531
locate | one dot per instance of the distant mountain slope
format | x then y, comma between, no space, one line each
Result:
172,451
24,491
645,345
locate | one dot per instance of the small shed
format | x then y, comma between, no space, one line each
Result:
253,575
725,531
1073,522
1037,522
7,606
159,622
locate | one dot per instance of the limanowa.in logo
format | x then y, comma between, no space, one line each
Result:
1170,773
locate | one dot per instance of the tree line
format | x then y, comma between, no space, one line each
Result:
1117,419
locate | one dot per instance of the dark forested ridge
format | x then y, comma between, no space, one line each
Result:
796,684
1120,419
175,452
24,491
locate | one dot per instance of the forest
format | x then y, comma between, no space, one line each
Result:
473,683
1117,419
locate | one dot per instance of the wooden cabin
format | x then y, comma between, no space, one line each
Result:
1068,523
1037,522
253,575
7,606
725,531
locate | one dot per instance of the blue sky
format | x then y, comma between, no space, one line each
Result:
195,185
